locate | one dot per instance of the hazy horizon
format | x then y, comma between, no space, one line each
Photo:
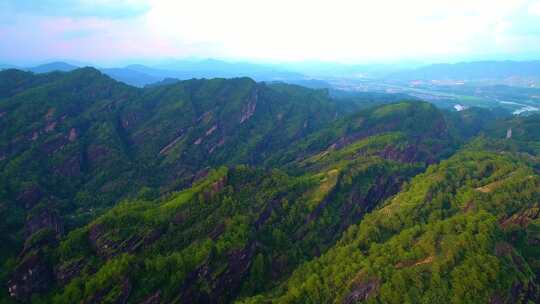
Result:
113,33
163,63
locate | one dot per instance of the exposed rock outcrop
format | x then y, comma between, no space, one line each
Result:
361,291
33,275
521,219
64,273
223,286
167,149
73,135
50,126
249,108
215,188
44,219
107,246
409,154
201,174
214,147
211,130
153,299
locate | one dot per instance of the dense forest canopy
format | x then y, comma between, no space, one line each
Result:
231,190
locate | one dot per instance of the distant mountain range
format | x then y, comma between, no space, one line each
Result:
473,71
131,76
141,75
52,67
315,75
7,66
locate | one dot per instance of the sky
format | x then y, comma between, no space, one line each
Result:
346,31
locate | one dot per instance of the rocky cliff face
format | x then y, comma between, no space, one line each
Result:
32,276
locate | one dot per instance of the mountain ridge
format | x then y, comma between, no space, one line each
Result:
224,190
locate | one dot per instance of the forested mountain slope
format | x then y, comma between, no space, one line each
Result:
466,231
81,141
223,190
73,144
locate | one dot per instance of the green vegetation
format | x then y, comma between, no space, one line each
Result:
449,237
228,190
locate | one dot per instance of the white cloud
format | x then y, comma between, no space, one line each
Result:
534,9
340,29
